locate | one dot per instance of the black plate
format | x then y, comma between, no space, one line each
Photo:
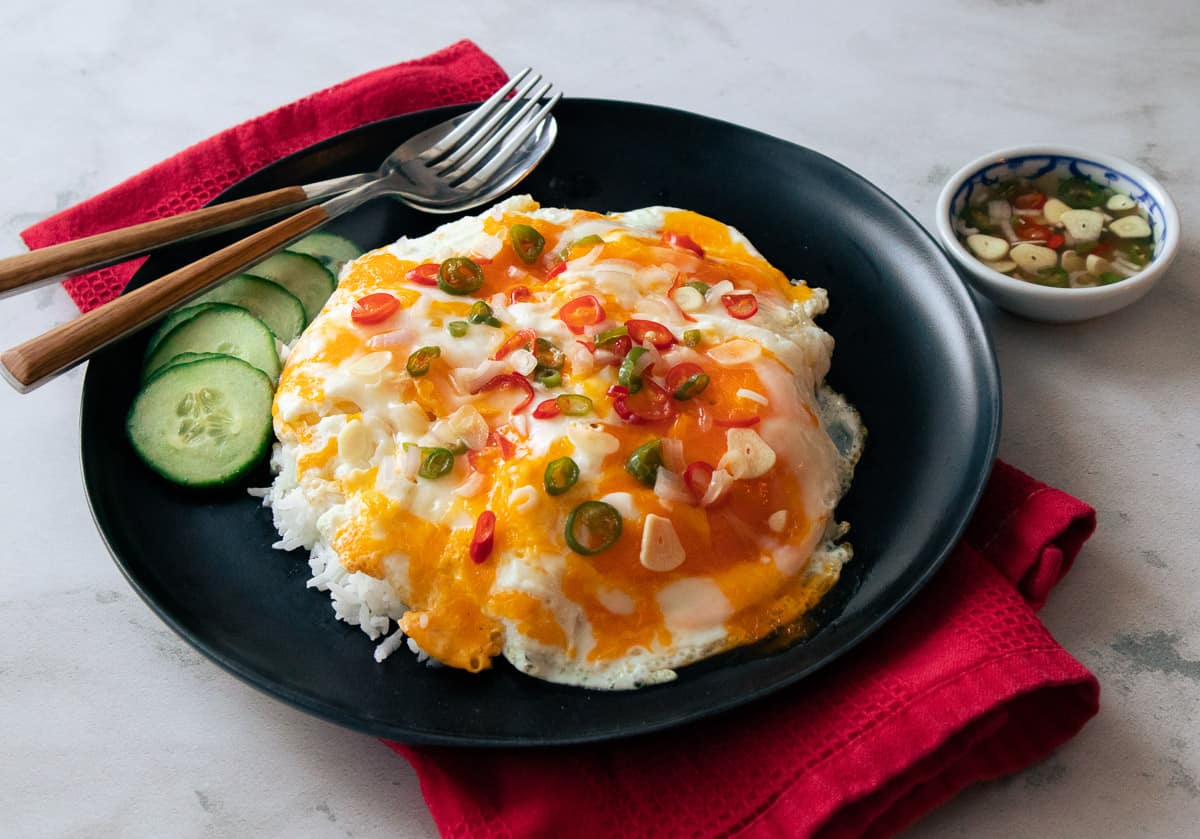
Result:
912,355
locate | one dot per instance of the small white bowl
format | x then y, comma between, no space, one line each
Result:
1043,303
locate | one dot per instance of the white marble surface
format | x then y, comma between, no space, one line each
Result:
112,726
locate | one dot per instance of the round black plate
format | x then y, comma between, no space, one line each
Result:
912,355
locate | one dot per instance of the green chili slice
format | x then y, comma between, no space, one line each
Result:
1054,276
494,322
460,275
573,404
626,375
419,361
527,242
1139,253
592,527
435,462
609,336
1110,277
699,286
548,355
479,312
1080,193
546,377
561,475
458,328
692,386
692,337
643,463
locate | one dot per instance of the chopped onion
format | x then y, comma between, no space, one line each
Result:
410,461
753,396
672,454
523,498
469,426
581,358
471,486
668,486
520,424
717,487
723,287
390,339
468,379
999,210
1009,233
522,361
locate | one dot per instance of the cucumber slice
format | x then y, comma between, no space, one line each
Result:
188,357
170,322
333,250
203,423
221,328
278,308
302,275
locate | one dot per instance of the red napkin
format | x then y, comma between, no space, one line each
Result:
966,684
459,73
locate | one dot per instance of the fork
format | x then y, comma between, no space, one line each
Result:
475,162
431,160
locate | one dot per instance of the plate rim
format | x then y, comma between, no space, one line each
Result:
985,373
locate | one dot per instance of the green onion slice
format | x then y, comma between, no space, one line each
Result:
479,312
699,286
435,462
547,377
592,527
610,336
458,328
626,375
574,404
692,337
548,355
692,386
561,475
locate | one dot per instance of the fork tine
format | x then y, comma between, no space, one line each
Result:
481,153
510,147
483,132
482,112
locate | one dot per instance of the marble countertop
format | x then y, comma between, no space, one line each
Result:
111,725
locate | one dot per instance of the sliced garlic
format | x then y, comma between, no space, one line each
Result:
988,248
469,426
777,521
1084,280
747,455
1072,262
735,351
1033,258
689,299
1053,210
1120,202
1130,227
661,548
1098,265
1003,265
354,444
370,365
1083,225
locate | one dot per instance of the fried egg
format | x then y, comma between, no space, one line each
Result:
599,446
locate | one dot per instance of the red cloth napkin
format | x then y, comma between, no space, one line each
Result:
459,73
966,684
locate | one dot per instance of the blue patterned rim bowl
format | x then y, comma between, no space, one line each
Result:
1059,305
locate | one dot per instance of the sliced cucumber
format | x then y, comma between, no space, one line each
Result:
170,322
302,275
188,357
333,250
204,422
221,328
274,305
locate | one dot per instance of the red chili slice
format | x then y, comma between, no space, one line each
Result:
374,308
484,537
650,404
521,339
1056,241
697,476
740,305
737,422
649,332
1030,200
621,348
519,294
590,346
556,270
509,380
684,242
505,445
426,274
680,373
1030,231
547,409
580,312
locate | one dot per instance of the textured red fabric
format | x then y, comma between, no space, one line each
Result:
189,180
966,684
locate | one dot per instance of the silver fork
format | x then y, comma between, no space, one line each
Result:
437,171
487,159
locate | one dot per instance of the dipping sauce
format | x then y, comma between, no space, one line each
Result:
1058,232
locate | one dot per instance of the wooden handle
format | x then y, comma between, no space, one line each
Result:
105,248
38,359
